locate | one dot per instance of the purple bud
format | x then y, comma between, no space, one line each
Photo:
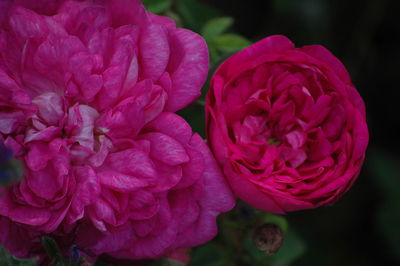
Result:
5,154
75,254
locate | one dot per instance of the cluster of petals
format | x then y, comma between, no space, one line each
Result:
287,125
87,95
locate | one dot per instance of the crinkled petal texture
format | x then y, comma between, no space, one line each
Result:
287,125
87,95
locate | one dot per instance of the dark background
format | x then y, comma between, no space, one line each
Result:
363,228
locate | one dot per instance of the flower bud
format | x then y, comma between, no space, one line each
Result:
268,238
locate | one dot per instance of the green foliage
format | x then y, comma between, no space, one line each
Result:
195,14
210,254
230,42
292,249
8,260
157,6
234,245
220,43
275,219
194,115
54,253
215,27
51,247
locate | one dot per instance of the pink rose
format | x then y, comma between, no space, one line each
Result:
87,91
287,125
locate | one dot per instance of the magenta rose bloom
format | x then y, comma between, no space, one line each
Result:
287,125
87,91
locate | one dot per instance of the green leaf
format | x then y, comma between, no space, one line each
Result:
171,262
195,14
216,27
293,248
6,259
51,247
175,17
209,254
275,219
157,6
194,115
230,42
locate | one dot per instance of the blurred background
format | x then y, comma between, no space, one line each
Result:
363,228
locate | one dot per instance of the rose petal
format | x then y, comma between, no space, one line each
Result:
188,67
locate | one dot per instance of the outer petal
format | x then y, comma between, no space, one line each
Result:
172,125
188,67
215,197
327,59
126,12
16,239
166,149
45,7
270,44
36,27
154,51
249,193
